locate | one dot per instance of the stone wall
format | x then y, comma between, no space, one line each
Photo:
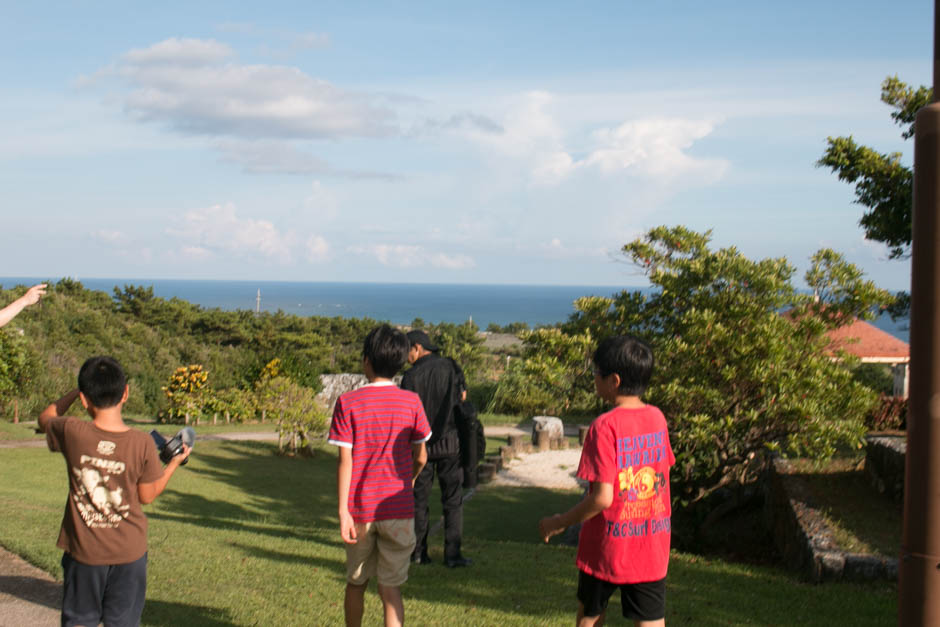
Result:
884,464
336,384
805,540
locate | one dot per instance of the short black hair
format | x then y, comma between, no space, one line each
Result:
387,350
628,356
102,381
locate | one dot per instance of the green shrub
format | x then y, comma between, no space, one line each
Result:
876,377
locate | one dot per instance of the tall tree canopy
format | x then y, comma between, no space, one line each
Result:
882,183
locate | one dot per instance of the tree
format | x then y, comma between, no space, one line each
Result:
462,343
882,183
733,376
17,366
300,418
187,393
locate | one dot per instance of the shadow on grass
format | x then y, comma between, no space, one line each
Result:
164,614
710,592
328,565
242,482
485,515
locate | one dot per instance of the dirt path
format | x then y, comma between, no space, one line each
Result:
28,596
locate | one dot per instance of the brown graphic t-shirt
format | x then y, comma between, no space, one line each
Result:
103,523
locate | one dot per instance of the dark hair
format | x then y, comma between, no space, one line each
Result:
102,381
387,350
629,357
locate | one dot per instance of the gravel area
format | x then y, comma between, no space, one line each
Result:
551,469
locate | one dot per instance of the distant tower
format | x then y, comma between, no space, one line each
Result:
258,302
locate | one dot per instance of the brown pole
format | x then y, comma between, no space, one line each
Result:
919,569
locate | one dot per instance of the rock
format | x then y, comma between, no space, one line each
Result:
336,384
553,427
860,567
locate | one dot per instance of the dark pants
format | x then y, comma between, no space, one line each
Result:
450,478
113,595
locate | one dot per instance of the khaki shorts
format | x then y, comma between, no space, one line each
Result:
383,550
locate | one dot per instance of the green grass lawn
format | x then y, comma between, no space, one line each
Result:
242,536
861,520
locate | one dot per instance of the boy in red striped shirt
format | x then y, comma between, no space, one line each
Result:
381,432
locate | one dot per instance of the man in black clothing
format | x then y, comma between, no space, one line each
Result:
435,381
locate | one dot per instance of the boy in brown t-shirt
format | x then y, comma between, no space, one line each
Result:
112,470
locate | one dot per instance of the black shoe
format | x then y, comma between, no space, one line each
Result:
457,562
422,558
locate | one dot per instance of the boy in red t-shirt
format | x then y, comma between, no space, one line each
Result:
625,517
381,432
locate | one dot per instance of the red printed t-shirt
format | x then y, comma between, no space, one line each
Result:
629,541
103,523
379,422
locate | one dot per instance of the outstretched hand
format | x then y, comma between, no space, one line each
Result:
33,294
31,297
550,526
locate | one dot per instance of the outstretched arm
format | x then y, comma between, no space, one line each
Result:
147,492
597,500
31,297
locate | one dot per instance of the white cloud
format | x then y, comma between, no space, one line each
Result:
413,256
219,233
317,249
177,53
268,156
196,253
654,149
451,262
196,86
310,40
218,229
557,249
322,201
109,237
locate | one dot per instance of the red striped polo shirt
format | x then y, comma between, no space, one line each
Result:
379,422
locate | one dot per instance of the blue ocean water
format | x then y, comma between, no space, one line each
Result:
398,303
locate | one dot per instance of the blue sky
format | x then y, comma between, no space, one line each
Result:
486,142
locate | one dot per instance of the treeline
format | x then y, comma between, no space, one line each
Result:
42,349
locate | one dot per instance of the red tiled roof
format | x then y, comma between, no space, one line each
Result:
865,340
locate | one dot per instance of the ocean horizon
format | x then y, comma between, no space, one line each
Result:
397,303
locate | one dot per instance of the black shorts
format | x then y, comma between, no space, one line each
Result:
640,601
113,595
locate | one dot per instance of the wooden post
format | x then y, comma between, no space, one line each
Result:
215,417
16,411
227,416
544,442
186,418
